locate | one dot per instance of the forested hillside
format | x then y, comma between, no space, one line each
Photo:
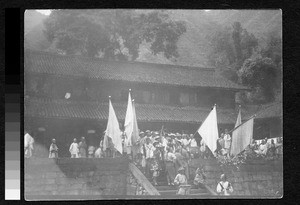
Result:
246,45
193,45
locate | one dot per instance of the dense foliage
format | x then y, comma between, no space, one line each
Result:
260,74
247,60
231,46
113,34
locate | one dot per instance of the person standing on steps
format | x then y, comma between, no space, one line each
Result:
53,150
82,148
149,155
155,166
199,180
227,142
170,160
224,187
74,149
182,182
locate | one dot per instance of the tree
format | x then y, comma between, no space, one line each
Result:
273,47
230,46
259,73
237,38
113,34
222,50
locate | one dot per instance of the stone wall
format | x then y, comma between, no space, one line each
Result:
107,178
82,178
256,178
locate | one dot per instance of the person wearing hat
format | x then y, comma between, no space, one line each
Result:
182,158
147,151
227,141
170,160
194,149
224,187
199,179
74,149
82,146
53,150
155,166
182,182
141,140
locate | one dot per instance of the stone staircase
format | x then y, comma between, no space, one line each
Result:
172,190
165,190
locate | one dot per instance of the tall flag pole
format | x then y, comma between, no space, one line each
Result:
209,130
128,125
242,136
113,130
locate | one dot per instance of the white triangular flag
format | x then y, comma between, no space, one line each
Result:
242,137
113,130
209,130
128,125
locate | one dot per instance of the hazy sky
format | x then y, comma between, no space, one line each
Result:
45,12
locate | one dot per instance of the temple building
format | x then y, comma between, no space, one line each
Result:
67,96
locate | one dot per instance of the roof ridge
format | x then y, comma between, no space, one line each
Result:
176,75
29,50
74,102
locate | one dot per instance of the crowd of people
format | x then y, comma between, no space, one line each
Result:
256,149
169,154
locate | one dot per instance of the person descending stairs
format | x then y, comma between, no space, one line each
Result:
170,190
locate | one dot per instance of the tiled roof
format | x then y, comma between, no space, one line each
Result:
271,110
49,63
99,111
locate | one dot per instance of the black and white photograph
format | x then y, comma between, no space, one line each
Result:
152,104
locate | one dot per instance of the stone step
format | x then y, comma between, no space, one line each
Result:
173,191
192,192
166,188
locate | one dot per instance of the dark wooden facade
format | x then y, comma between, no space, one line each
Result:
85,89
179,104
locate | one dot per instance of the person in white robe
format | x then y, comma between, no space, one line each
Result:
74,149
182,182
53,150
224,187
227,140
28,145
148,148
